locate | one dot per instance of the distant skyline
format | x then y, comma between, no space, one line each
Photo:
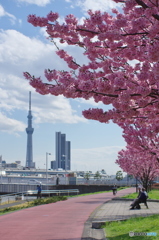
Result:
94,146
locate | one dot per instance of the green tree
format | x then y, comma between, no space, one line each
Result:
87,175
97,175
119,175
130,176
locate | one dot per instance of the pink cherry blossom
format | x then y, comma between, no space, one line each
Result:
120,62
52,16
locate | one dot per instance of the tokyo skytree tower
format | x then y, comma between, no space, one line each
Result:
29,131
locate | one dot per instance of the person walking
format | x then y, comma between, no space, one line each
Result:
114,189
39,191
57,180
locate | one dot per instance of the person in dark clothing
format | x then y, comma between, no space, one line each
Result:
39,191
142,198
57,180
139,192
114,189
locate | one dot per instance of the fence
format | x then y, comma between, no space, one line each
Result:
65,181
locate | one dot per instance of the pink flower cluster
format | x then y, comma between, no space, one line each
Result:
141,156
139,164
42,21
52,17
67,58
37,21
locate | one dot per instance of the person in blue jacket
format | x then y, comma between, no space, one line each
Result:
39,191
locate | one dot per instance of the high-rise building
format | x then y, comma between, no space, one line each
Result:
53,164
29,131
63,152
68,155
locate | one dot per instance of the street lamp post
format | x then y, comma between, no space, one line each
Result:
47,168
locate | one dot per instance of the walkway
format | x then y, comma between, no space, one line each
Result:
58,221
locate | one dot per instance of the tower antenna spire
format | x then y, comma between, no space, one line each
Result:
30,101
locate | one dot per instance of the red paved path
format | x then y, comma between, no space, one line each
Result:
56,221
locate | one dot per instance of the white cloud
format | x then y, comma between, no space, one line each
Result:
96,159
89,101
3,13
40,3
18,47
43,32
55,109
96,5
19,53
10,125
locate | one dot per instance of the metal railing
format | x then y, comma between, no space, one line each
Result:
67,191
8,198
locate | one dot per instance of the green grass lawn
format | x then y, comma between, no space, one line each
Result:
154,194
32,204
120,230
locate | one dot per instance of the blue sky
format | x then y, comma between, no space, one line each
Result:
94,145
